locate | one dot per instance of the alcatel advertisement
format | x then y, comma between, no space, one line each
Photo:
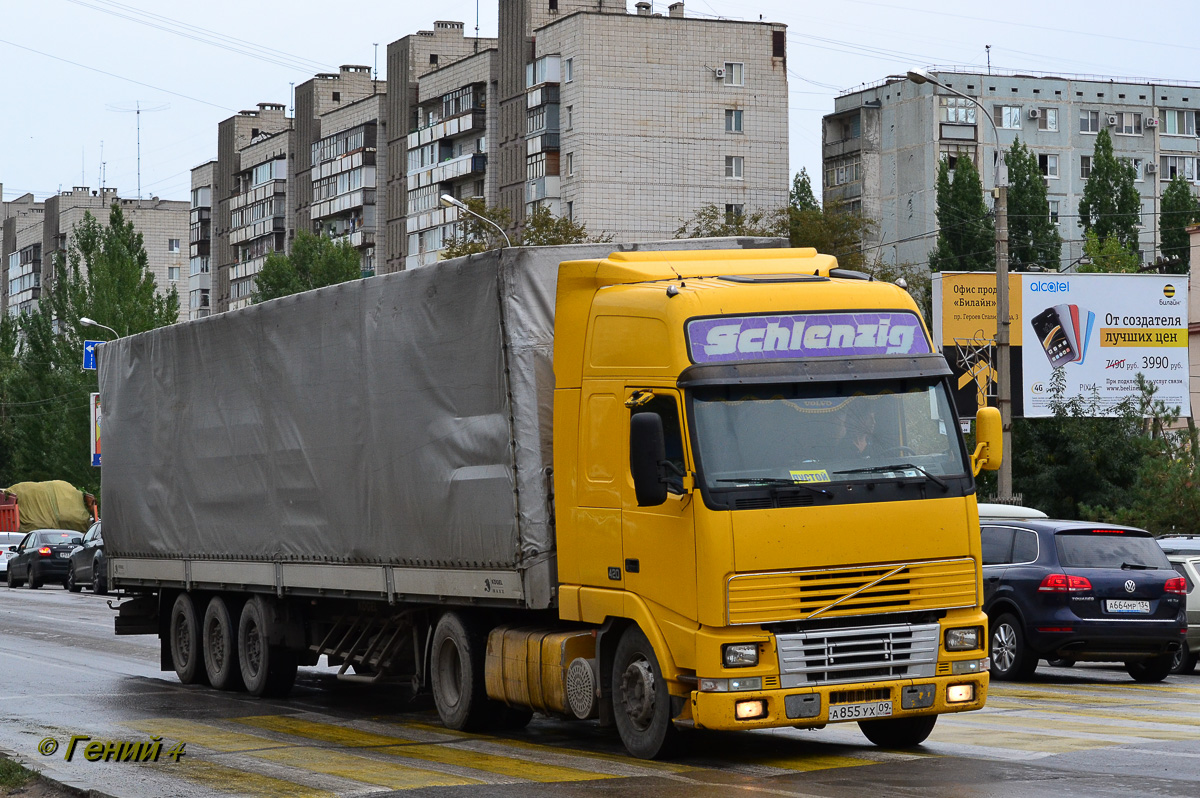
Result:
1099,331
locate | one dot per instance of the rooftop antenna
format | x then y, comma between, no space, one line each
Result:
101,180
292,94
138,109
476,25
988,47
376,46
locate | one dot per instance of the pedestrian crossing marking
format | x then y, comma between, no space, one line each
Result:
986,737
807,764
210,737
1043,696
1161,717
1034,725
219,777
442,753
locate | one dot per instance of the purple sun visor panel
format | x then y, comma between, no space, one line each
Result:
739,339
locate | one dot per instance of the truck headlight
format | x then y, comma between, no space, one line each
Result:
740,655
964,639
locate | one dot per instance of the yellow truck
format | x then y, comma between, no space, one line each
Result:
710,488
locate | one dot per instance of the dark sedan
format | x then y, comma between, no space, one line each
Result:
86,566
43,556
1075,591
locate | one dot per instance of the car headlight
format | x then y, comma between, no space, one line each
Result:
740,655
964,639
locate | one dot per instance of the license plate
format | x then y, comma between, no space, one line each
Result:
62,555
874,709
1125,605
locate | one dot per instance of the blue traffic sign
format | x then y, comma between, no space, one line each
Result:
89,355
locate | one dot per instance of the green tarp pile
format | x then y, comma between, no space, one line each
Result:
51,505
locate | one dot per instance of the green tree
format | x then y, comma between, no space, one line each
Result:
1109,255
801,197
1179,209
710,221
476,236
104,276
315,261
543,228
1110,205
832,230
966,234
1032,237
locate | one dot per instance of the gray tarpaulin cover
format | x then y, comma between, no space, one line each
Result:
368,422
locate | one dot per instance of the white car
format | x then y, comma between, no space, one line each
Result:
1184,553
8,539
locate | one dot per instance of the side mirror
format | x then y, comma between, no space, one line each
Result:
989,440
647,448
12,548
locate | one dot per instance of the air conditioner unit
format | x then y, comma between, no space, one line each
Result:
1151,168
1112,120
1151,122
719,73
1035,113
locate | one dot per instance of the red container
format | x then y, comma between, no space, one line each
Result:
10,519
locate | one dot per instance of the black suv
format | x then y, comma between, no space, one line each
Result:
1072,590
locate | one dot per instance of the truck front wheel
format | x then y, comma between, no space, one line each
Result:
267,670
641,701
898,732
187,648
456,673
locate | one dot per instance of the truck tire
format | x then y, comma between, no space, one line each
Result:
220,634
267,670
898,732
187,646
456,673
641,701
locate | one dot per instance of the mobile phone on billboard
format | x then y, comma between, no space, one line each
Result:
1054,329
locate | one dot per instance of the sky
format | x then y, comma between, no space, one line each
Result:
79,70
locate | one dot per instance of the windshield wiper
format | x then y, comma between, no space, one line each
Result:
880,469
777,482
1136,566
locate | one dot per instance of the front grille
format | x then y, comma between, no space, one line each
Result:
859,696
769,502
870,653
862,590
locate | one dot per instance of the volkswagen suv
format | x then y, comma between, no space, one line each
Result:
1079,591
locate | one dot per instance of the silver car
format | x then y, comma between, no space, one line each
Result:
1184,553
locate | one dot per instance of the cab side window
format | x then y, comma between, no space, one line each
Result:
668,411
997,545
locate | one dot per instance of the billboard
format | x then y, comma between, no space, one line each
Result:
1098,331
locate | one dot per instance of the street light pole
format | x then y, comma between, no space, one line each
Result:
86,322
450,202
1003,352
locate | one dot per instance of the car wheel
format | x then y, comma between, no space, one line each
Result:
641,701
1183,660
11,579
99,577
1154,669
1061,662
898,732
34,583
267,670
71,584
1011,658
186,641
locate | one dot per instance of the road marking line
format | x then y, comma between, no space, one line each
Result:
976,737
1035,726
227,779
1163,718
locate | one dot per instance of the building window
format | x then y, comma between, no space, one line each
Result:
568,70
1007,116
733,120
1177,165
172,245
1048,119
734,73
173,273
733,166
851,128
1179,123
1049,165
553,5
1129,124
433,58
571,211
839,173
570,120
570,163
1089,121
734,213
337,96
957,110
1085,166
1138,170
1053,211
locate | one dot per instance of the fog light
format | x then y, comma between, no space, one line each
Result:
960,693
966,639
740,655
749,710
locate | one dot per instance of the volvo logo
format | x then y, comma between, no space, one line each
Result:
1130,586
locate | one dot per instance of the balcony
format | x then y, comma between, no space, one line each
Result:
272,224
258,193
444,172
541,188
358,239
473,120
353,199
430,219
541,143
543,95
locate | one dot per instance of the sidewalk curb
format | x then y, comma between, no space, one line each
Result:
40,775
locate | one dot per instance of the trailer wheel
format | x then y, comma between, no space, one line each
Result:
267,670
641,702
456,673
187,647
220,645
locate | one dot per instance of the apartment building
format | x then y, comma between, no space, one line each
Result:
408,60
35,234
449,151
347,164
259,203
883,142
199,301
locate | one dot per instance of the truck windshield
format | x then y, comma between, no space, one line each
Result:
813,433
